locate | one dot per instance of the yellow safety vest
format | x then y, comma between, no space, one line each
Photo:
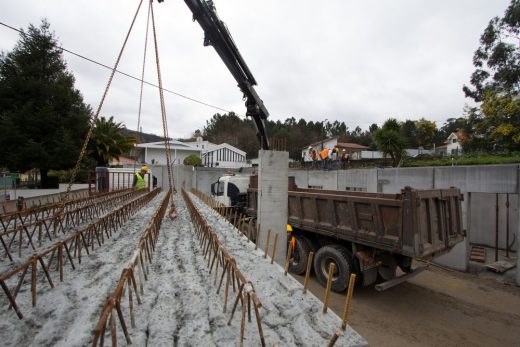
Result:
141,183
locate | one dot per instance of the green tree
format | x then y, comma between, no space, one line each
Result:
497,60
409,131
498,122
108,141
452,125
192,160
43,118
426,132
390,141
229,128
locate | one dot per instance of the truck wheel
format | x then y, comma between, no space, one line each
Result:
341,258
298,264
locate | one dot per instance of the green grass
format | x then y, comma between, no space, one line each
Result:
467,159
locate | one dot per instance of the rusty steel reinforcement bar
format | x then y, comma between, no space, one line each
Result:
26,217
48,216
50,209
217,255
139,262
69,248
240,221
22,235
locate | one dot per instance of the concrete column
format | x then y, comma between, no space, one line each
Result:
272,200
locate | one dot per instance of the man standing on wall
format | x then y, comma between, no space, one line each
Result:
324,154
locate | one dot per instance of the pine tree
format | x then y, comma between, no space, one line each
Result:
43,118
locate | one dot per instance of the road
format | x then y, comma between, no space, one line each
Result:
436,308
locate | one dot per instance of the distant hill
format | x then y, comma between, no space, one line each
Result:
142,137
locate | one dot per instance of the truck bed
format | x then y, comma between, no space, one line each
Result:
415,223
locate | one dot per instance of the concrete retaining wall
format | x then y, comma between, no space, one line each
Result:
482,182
479,185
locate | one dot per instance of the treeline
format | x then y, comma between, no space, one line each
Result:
298,134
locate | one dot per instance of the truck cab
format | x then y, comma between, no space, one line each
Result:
231,190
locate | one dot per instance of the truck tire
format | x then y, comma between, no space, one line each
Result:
341,258
298,263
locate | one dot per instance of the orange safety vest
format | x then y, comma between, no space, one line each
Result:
324,153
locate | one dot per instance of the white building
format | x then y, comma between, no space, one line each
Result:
155,154
452,145
223,155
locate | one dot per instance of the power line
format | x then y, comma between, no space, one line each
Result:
124,73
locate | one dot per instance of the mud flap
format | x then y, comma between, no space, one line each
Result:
367,266
388,266
369,276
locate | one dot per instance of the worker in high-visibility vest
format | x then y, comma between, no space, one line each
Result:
324,154
139,182
291,238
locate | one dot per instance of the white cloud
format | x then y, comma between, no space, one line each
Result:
352,61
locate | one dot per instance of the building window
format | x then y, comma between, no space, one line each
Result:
454,141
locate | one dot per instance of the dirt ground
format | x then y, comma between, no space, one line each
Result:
436,308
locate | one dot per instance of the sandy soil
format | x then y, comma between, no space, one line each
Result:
436,308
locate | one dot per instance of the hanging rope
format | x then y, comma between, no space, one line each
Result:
142,72
172,214
96,115
139,138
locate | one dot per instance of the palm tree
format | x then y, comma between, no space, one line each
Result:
390,141
108,141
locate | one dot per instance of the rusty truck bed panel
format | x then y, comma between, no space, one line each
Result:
415,223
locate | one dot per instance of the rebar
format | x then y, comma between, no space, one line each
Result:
62,250
327,289
348,300
128,282
234,277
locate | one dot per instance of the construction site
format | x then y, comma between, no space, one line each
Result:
113,268
266,255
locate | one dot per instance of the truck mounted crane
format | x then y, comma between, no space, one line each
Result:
217,35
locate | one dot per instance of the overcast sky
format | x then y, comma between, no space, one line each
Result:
359,62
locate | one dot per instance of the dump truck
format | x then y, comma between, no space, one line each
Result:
370,234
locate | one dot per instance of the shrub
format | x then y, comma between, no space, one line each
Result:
192,160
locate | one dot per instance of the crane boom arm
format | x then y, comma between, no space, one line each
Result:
217,35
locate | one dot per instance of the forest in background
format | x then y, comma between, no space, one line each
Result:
297,134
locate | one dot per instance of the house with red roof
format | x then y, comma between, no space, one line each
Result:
452,146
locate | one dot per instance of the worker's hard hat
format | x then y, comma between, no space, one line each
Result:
144,168
289,228
310,147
